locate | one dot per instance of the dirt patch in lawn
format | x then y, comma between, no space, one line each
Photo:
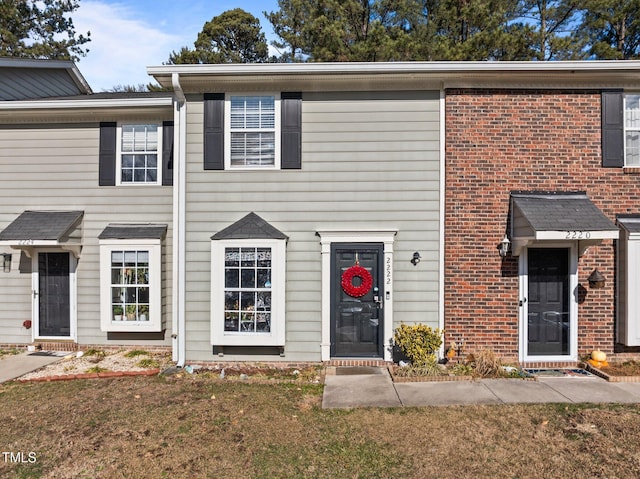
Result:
195,426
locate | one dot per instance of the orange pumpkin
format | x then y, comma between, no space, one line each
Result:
598,355
594,363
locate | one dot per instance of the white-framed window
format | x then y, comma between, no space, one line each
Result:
248,292
130,285
139,154
252,136
632,130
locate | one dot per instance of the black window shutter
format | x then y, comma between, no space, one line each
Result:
291,127
167,153
107,155
612,129
214,131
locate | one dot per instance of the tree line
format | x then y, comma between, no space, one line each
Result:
427,30
364,30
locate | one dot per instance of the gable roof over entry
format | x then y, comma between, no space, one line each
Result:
44,228
557,217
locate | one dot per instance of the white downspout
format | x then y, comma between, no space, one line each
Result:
179,224
441,239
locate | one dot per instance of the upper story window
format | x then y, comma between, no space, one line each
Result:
632,130
252,136
139,147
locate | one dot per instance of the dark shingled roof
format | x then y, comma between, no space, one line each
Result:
41,225
139,231
250,227
561,212
630,223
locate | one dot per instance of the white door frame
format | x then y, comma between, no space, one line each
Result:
386,237
573,303
35,295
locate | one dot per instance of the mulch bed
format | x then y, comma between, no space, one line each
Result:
626,372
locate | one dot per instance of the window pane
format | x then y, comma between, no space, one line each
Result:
248,278
248,257
231,278
127,161
264,278
232,301
232,257
632,111
632,150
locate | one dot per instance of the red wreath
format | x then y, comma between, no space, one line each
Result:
365,284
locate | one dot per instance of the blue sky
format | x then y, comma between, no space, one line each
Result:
128,36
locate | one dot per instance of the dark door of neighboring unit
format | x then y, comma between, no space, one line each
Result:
548,330
356,321
54,305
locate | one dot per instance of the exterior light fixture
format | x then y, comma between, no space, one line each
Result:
503,246
6,262
596,279
416,258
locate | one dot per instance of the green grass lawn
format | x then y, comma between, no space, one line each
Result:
194,427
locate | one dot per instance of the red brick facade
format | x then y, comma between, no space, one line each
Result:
498,141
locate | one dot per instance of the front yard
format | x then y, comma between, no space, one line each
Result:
196,426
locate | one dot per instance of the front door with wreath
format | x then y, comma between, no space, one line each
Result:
356,300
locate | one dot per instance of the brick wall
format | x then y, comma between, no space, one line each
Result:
498,141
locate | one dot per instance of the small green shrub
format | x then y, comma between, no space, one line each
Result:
148,363
97,369
95,353
134,353
418,342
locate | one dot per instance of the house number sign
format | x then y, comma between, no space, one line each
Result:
577,235
387,271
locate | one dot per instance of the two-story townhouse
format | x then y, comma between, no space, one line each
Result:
85,215
308,206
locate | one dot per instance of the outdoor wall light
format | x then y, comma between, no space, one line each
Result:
503,246
596,279
416,258
6,262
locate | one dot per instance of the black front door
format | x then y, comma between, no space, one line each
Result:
356,300
548,329
54,305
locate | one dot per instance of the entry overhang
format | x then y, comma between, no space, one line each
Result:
38,229
556,217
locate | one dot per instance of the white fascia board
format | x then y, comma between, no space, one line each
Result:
394,67
576,235
85,104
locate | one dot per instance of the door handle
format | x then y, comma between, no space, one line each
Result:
378,301
35,294
522,301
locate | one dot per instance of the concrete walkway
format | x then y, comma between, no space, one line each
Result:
376,389
12,367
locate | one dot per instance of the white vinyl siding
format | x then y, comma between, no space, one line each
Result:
369,161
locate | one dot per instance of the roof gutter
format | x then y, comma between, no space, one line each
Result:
85,103
396,67
179,223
